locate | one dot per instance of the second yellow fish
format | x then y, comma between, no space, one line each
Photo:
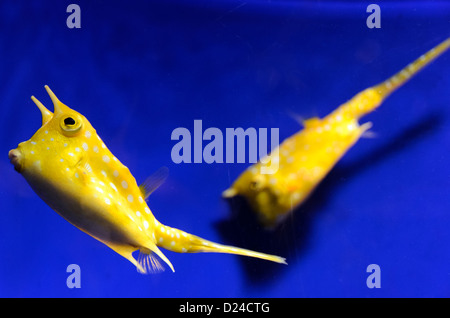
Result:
305,158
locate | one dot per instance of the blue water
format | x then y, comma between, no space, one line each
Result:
139,69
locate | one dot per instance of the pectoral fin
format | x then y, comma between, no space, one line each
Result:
153,182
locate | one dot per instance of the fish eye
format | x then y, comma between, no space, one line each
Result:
254,185
69,121
70,125
257,183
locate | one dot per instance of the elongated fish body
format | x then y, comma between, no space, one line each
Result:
70,168
305,158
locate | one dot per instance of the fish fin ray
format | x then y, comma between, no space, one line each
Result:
154,182
149,262
365,130
298,118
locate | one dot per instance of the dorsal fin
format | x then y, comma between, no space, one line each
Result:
153,182
306,123
299,119
311,122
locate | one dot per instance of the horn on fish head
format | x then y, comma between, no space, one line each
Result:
46,114
57,104
59,107
70,121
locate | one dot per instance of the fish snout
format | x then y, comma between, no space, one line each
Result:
16,158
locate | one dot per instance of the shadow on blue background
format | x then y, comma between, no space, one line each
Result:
139,70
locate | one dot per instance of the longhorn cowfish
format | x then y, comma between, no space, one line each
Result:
305,158
70,168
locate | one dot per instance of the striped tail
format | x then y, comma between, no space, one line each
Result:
181,242
370,98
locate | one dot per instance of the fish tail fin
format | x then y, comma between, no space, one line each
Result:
182,242
370,98
391,84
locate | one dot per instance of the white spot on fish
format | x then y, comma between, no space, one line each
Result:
130,198
85,146
95,149
138,213
77,149
145,224
107,201
113,186
88,134
105,158
124,184
116,173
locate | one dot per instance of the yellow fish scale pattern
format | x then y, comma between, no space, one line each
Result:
71,169
305,158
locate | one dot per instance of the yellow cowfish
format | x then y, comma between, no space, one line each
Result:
305,158
70,168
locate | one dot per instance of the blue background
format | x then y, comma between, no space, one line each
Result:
139,69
